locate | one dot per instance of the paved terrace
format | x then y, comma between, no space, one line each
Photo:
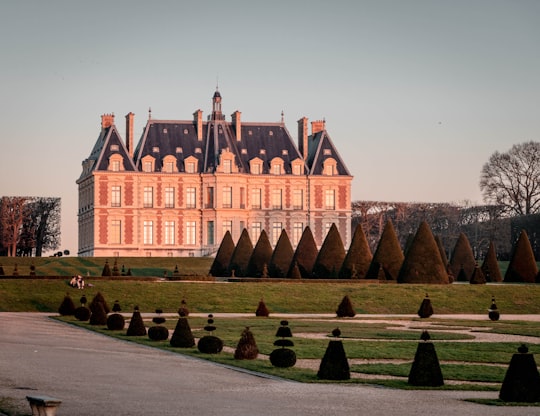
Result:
96,375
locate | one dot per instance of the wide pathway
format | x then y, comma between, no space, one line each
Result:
96,375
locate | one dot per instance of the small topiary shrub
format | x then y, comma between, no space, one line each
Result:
182,336
82,313
262,310
158,333
283,357
98,316
493,312
210,344
425,369
106,269
115,322
115,270
183,310
98,298
67,307
426,309
247,347
345,308
136,326
334,364
478,277
522,380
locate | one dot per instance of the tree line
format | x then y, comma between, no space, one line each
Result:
29,225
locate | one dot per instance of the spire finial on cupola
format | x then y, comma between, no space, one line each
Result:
149,113
216,106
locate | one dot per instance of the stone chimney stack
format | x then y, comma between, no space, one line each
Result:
317,126
197,118
130,117
107,120
237,125
303,137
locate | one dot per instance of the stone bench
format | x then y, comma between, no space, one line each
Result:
43,405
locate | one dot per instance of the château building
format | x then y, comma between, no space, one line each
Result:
187,182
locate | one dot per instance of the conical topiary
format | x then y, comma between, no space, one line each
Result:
98,316
304,256
182,336
426,369
210,344
442,251
2,270
490,266
282,256
106,269
478,277
522,267
358,257
223,257
295,273
493,311
334,364
260,256
241,255
176,272
522,381
423,263
283,357
247,347
462,275
136,326
345,308
426,309
330,257
388,255
262,310
115,270
462,257
98,297
67,307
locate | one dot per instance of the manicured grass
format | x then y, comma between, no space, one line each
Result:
45,295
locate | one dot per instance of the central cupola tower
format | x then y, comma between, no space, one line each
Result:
216,106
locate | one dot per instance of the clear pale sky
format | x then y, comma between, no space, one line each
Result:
416,94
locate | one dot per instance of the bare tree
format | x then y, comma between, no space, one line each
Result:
11,221
44,221
512,179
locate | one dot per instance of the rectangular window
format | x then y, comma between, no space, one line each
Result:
116,196
147,166
242,198
148,201
210,233
227,166
148,232
297,169
298,229
227,226
298,199
169,197
169,232
256,198
210,197
191,233
256,169
276,231
116,165
276,169
227,197
276,198
169,167
190,167
191,198
256,229
330,199
116,232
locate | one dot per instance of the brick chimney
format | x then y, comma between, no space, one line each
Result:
129,132
303,137
317,126
107,120
237,125
197,118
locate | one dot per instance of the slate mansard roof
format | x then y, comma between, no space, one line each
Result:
180,138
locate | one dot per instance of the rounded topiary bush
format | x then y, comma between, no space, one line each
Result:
158,333
82,313
210,344
67,307
99,298
116,322
183,310
493,311
283,357
136,326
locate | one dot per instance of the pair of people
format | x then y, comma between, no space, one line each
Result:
77,281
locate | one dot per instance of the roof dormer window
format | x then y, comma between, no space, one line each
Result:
330,167
147,163
116,163
115,148
169,164
276,166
